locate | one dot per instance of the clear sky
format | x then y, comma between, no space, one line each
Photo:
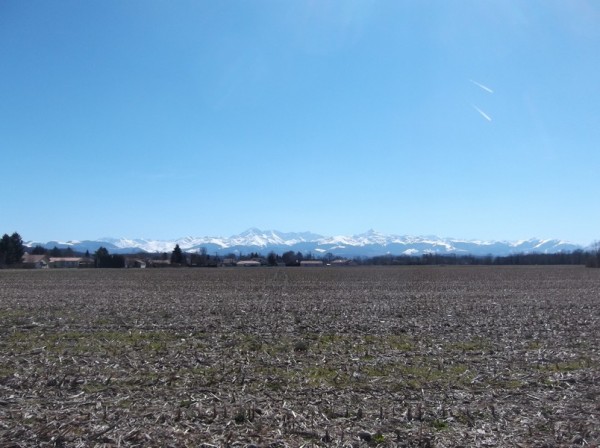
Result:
160,119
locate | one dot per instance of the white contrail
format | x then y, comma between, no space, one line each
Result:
487,89
483,114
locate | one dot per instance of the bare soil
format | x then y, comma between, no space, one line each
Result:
277,357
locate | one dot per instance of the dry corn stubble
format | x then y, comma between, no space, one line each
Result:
428,356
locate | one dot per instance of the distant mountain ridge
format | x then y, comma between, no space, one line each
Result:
370,243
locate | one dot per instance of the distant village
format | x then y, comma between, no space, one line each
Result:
40,258
140,261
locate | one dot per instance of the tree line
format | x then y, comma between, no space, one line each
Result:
590,258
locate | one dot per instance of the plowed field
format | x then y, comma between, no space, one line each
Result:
274,357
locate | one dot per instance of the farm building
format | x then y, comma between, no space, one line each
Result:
341,262
30,261
311,263
248,263
135,263
70,262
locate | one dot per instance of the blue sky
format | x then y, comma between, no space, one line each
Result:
162,119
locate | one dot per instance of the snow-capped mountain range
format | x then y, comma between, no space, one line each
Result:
370,243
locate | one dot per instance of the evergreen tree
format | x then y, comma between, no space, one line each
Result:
18,249
11,249
177,255
101,256
4,249
289,258
272,259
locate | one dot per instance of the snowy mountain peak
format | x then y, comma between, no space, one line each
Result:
369,243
